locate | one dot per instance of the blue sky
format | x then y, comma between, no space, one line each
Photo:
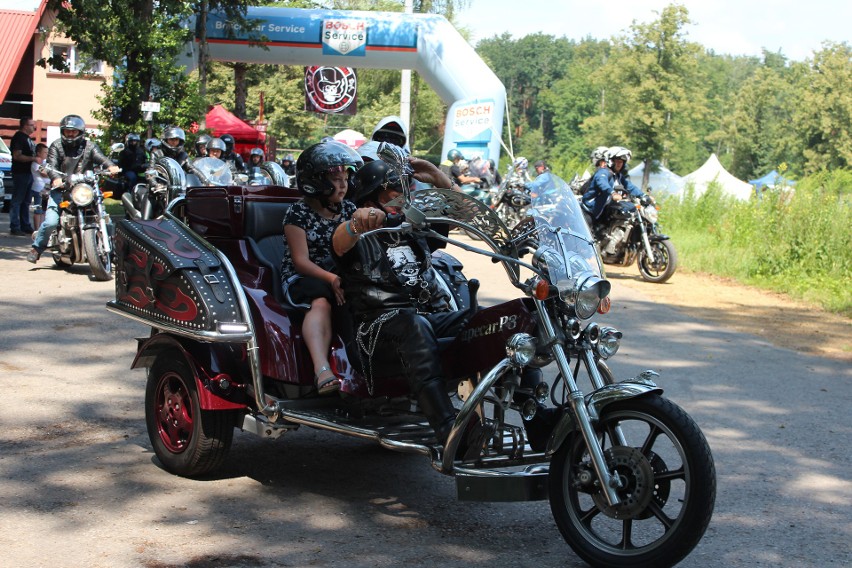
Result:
736,27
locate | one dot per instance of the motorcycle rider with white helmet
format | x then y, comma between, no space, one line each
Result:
71,153
601,190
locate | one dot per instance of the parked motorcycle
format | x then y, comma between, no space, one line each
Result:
632,234
84,232
629,475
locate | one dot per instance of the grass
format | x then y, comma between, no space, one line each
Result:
114,208
796,242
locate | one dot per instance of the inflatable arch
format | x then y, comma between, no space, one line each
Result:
425,43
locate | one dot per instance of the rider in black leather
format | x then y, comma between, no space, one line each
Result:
386,282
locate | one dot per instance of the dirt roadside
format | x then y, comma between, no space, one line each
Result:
775,317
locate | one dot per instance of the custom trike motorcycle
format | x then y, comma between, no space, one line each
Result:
628,474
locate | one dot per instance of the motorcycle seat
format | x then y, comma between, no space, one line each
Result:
264,234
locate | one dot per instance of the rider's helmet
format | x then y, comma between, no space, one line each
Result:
169,147
201,144
317,161
390,129
454,155
598,154
132,139
256,152
520,163
229,142
621,153
216,144
370,179
72,130
369,151
288,158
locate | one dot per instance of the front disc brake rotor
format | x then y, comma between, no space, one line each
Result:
637,480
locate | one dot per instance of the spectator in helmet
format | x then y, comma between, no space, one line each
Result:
289,165
215,148
611,174
132,159
236,161
323,173
398,329
201,145
453,167
72,152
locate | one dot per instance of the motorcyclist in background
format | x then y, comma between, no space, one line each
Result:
201,145
289,165
215,148
236,161
256,157
605,181
393,130
132,160
452,167
520,171
71,153
173,140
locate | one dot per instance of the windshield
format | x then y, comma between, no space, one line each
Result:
210,171
555,219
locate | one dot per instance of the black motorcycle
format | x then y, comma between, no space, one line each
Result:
631,233
511,201
165,181
85,230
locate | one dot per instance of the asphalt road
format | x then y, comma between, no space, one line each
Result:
81,487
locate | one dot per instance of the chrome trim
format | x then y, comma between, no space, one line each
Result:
205,336
597,400
467,410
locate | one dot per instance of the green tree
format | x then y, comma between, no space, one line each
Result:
823,116
657,94
140,43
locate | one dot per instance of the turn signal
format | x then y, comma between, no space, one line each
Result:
107,194
64,204
606,304
542,290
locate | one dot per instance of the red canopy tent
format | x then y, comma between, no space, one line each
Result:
221,121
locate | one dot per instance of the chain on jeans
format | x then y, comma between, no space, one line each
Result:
368,340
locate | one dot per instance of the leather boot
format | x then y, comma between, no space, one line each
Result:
435,404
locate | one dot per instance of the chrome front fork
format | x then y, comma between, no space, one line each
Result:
609,482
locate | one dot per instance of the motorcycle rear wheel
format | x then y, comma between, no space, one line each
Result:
187,440
96,254
662,266
669,487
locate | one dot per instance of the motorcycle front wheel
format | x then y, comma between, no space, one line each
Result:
662,266
187,440
668,487
97,255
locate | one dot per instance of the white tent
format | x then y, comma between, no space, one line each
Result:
351,138
661,181
712,171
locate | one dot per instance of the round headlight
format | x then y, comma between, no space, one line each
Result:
651,214
82,194
521,349
589,297
610,339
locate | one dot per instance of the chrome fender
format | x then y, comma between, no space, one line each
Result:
596,401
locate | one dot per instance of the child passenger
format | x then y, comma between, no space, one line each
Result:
322,176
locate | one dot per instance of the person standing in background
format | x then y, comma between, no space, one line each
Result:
23,156
38,194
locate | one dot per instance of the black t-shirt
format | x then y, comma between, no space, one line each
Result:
24,143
